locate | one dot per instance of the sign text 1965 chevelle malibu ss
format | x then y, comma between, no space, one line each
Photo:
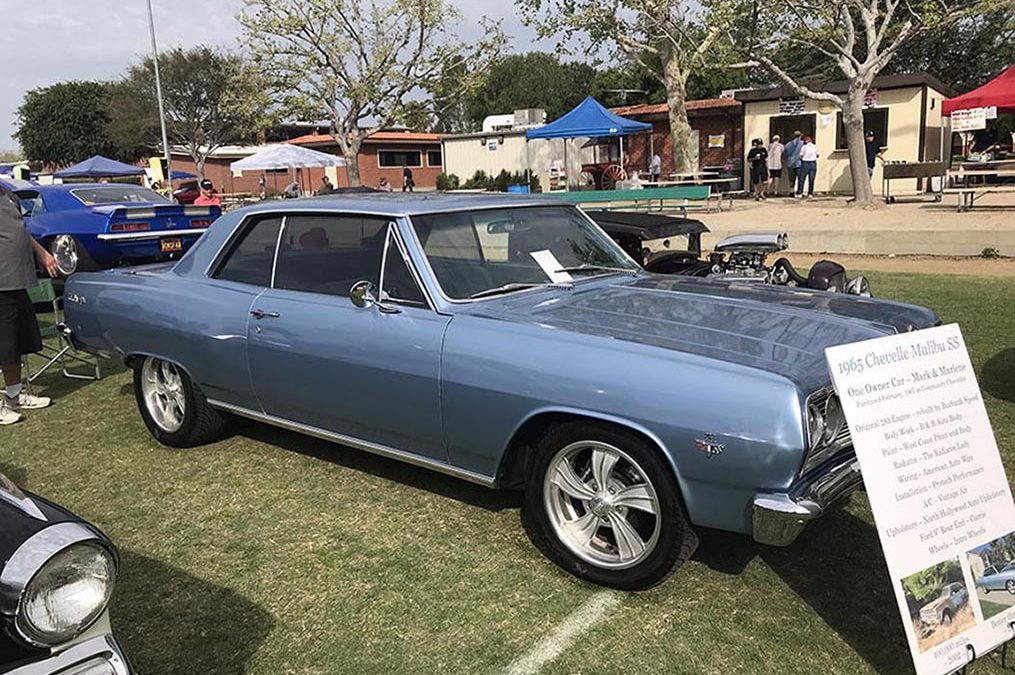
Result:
506,341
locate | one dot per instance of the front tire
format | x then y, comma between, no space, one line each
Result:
604,505
173,408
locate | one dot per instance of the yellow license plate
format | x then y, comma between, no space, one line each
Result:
171,245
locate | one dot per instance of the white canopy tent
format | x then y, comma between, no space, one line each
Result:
285,156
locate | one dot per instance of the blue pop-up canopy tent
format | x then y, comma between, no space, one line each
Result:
99,167
589,119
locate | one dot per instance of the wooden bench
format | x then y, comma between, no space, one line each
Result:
969,194
684,198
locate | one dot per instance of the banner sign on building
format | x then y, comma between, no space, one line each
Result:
791,106
870,99
969,120
717,140
937,489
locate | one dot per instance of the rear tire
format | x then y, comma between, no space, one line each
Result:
173,408
631,531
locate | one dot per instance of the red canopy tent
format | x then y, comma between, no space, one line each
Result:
998,92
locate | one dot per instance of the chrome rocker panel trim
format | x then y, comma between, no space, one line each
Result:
778,518
85,658
148,234
357,443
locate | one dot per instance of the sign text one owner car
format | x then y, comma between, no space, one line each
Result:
937,488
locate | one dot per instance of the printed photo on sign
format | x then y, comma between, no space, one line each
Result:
993,568
938,603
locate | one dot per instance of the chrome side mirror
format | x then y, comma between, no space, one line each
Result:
362,295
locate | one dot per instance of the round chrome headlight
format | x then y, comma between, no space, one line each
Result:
68,593
65,249
815,424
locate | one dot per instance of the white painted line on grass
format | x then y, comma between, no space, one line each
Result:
580,621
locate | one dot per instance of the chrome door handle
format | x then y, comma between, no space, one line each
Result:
261,314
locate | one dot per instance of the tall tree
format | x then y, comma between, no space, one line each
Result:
860,37
212,98
669,38
357,61
64,123
532,80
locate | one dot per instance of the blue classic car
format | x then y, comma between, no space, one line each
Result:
90,226
510,342
57,574
998,578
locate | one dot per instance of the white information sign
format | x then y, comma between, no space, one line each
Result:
969,120
937,489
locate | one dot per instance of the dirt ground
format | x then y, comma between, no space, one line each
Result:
925,264
964,620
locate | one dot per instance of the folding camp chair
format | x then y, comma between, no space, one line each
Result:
54,349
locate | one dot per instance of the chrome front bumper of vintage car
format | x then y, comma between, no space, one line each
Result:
100,655
778,518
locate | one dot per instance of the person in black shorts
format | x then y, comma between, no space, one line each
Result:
19,330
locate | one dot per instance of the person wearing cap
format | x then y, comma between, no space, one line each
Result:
808,168
326,187
19,329
208,196
873,151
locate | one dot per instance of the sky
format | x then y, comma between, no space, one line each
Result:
49,41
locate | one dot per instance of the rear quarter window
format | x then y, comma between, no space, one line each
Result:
251,254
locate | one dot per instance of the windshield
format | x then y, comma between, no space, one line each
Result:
475,253
117,194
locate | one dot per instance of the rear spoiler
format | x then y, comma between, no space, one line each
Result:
140,212
150,221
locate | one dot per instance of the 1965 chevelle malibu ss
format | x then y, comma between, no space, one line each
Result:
509,342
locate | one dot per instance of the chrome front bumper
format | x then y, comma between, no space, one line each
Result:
778,518
98,656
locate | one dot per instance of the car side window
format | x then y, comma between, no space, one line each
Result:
252,253
329,253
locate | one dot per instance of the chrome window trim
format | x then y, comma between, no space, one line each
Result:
359,444
278,245
33,554
638,270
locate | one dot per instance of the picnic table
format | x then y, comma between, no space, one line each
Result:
684,197
968,192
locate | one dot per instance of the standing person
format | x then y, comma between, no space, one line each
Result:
208,196
775,152
407,182
758,159
791,159
385,185
808,168
19,330
655,167
873,151
262,188
326,187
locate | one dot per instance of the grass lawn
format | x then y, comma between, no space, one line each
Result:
270,553
990,609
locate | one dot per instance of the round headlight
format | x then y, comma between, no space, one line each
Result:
815,425
65,249
834,419
67,594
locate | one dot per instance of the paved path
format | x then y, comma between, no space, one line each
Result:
997,597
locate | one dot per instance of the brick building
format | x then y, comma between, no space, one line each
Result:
717,129
384,153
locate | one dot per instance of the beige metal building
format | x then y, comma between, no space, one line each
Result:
903,110
492,152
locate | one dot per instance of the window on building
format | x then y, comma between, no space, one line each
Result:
250,256
785,125
399,158
873,118
433,158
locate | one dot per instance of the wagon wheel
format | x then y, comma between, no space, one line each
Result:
611,175
586,180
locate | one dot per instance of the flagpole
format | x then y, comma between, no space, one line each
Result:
162,110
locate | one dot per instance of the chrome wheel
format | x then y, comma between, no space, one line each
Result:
162,389
65,250
1010,586
602,505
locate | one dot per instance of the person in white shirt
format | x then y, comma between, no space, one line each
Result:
808,168
775,152
655,167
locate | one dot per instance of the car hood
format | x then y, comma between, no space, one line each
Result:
776,329
22,515
932,607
